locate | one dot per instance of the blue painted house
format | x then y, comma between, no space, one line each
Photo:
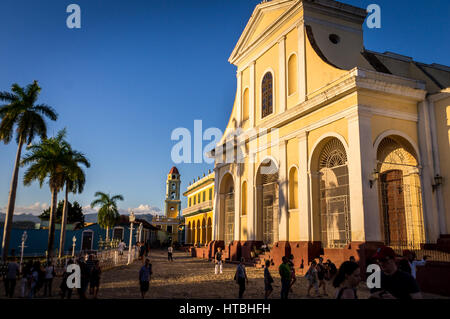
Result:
87,238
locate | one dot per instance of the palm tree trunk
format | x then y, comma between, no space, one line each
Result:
51,223
62,237
11,202
107,233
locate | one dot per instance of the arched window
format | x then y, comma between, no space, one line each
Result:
334,195
245,105
293,188
267,95
292,74
244,198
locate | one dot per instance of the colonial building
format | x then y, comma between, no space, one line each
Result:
331,149
198,215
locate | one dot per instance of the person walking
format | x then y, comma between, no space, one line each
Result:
293,278
24,283
48,279
170,253
33,278
410,257
95,279
285,274
332,270
311,276
218,261
121,247
64,288
12,273
268,280
321,274
241,277
347,280
145,274
84,273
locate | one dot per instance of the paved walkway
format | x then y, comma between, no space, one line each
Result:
188,277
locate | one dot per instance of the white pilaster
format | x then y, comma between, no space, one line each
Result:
301,79
215,221
283,234
431,218
303,188
237,203
239,99
251,211
282,74
364,211
251,92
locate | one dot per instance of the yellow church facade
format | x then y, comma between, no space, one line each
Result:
330,149
198,215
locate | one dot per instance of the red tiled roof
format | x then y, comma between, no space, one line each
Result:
174,170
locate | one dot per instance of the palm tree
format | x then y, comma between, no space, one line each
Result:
108,213
74,182
49,160
23,114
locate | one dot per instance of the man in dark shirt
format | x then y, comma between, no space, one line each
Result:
395,284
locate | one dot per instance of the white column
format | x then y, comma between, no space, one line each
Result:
251,211
301,78
251,92
283,234
303,188
364,209
429,202
239,99
282,75
216,220
237,203
437,168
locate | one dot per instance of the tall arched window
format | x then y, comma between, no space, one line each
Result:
334,195
292,74
245,105
244,198
293,188
267,95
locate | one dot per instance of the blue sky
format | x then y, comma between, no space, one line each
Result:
136,70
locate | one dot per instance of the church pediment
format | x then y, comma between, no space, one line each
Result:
264,17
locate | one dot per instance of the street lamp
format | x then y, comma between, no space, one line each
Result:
74,240
24,238
132,218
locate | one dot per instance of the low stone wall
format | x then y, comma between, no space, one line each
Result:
434,278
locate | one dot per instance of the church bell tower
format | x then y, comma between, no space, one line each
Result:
173,202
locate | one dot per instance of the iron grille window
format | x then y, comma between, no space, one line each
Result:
334,196
229,218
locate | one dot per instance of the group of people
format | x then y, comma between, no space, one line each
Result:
34,277
397,276
90,275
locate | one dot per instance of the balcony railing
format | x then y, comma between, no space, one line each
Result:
202,206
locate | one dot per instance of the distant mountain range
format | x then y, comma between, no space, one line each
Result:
21,218
88,218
